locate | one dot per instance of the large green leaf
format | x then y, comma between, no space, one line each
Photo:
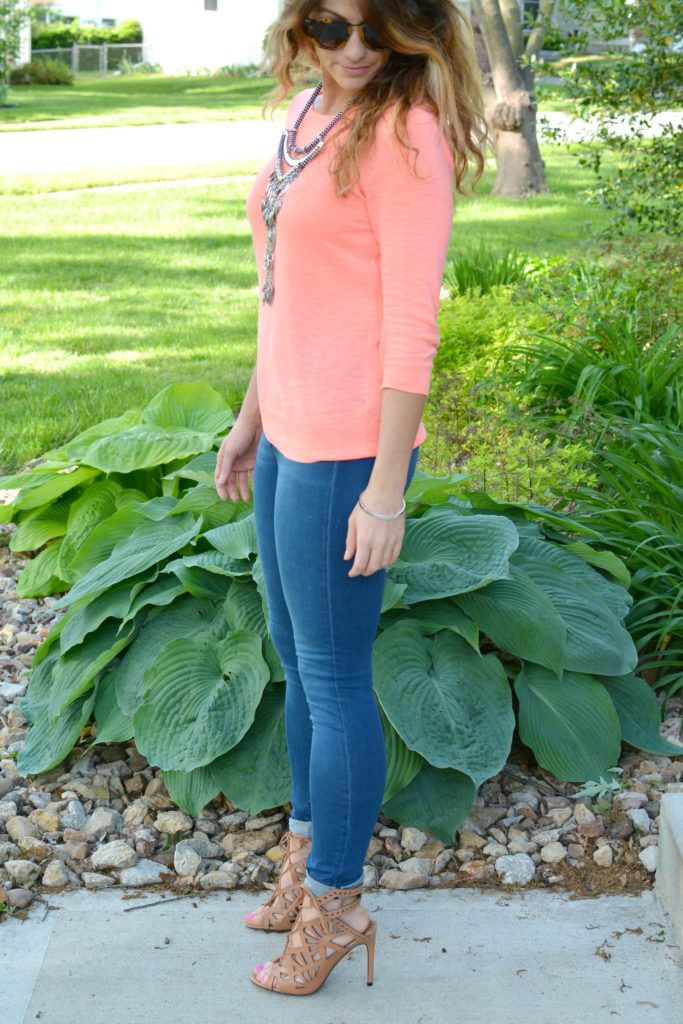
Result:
112,725
191,406
203,500
255,774
52,486
185,617
436,615
103,538
520,618
569,723
433,490
243,609
149,542
191,791
597,642
99,501
76,670
606,560
447,553
201,468
199,582
615,596
158,592
214,561
35,701
143,446
79,444
237,538
639,715
403,764
41,526
450,704
392,593
89,615
39,576
199,699
437,799
47,743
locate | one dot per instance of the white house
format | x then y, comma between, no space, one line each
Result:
185,35
197,35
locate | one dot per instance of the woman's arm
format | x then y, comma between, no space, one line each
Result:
400,419
412,217
377,543
249,410
236,458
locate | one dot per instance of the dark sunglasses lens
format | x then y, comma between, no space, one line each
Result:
372,39
329,35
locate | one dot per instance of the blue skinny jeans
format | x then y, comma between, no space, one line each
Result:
323,623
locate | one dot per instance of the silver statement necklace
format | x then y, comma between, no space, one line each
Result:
296,157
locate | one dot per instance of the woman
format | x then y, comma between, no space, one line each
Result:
351,222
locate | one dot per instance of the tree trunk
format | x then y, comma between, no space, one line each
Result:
520,166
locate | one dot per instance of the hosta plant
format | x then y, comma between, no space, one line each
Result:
494,619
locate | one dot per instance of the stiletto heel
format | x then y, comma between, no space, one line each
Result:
311,952
283,905
370,948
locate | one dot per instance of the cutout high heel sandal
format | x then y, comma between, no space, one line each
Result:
283,905
311,951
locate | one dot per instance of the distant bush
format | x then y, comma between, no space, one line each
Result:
59,34
42,72
141,67
481,268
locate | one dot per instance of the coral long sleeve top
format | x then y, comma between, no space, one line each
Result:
356,287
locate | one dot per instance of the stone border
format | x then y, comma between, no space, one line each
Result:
669,875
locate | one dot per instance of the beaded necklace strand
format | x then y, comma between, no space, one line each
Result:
297,157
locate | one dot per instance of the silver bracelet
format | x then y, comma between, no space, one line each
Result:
380,515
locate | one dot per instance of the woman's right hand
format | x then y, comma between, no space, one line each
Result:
236,459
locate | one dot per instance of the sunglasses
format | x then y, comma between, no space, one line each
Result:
333,33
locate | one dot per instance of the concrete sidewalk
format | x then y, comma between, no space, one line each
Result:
460,955
61,150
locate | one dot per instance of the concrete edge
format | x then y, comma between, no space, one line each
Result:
669,873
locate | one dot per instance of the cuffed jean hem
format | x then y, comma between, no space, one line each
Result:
320,888
302,828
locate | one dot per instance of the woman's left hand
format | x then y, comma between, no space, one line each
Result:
377,543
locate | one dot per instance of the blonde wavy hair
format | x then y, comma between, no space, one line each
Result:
432,63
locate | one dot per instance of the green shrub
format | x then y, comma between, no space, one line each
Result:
607,372
61,35
42,72
477,418
481,268
127,67
611,346
165,639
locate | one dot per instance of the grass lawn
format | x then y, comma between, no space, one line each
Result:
159,99
135,99
109,296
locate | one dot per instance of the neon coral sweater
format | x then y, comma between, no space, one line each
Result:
356,287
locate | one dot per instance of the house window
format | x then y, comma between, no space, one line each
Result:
210,5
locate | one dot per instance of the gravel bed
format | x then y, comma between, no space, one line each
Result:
105,818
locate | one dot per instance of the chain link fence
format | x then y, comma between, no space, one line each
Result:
100,59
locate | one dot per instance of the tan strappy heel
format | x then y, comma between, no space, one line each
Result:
283,905
311,951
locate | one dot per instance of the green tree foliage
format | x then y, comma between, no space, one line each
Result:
58,34
12,15
647,190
